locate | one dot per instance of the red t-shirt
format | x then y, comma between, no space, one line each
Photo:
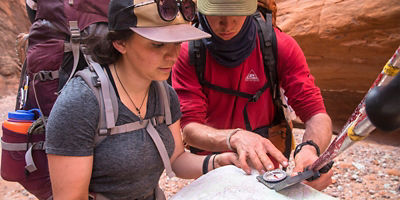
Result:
224,111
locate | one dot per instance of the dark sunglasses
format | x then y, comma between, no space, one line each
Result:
168,9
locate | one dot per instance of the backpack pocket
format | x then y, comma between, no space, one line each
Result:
13,162
43,58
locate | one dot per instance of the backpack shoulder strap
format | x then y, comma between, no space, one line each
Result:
163,91
97,80
267,37
197,58
73,45
268,45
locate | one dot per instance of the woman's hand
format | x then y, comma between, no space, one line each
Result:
228,158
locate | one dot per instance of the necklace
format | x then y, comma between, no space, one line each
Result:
140,107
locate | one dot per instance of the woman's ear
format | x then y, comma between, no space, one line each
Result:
120,46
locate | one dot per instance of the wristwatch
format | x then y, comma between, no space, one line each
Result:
308,142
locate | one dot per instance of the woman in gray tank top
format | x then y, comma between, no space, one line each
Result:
141,47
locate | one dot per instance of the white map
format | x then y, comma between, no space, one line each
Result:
231,183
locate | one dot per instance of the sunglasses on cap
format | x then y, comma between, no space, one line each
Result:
168,9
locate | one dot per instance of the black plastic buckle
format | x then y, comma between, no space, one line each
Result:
45,76
267,43
38,145
153,121
96,81
256,96
75,35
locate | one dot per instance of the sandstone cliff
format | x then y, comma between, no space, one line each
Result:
346,43
14,20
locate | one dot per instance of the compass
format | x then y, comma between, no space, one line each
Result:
274,176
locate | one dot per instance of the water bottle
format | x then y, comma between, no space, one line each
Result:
14,147
19,121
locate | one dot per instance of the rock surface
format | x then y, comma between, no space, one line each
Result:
346,43
14,20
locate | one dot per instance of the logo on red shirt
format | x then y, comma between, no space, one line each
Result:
252,76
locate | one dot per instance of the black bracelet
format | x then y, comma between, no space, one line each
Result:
215,155
205,163
308,142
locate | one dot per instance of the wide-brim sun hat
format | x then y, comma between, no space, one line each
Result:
145,21
227,7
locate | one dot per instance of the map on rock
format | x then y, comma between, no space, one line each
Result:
232,183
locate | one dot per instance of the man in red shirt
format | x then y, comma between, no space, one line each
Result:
234,60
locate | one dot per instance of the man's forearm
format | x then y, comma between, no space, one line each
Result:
205,137
319,129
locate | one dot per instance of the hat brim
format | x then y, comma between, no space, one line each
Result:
171,33
227,8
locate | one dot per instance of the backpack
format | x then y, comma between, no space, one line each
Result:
57,38
280,131
56,50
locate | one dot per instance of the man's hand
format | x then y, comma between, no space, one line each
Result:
253,149
305,158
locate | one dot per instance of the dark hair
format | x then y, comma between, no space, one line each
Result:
102,50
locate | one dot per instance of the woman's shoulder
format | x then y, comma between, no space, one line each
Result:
76,91
73,121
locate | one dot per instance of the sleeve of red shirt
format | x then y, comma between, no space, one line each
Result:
186,84
295,78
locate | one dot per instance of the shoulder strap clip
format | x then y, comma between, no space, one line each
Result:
257,95
75,32
47,75
104,132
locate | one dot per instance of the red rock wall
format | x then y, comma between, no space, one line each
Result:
346,43
14,20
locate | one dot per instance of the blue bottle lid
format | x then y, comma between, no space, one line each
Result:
22,115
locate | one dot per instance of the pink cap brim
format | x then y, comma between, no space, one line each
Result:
171,33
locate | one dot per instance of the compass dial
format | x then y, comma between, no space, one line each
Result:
274,175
